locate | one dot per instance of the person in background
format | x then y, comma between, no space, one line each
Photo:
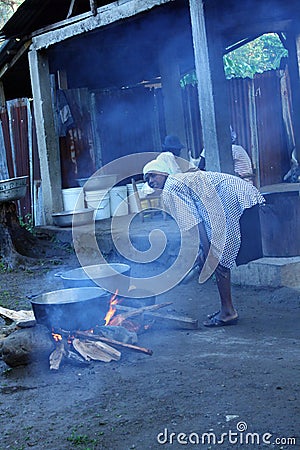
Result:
241,160
172,144
171,149
199,162
242,164
218,204
293,175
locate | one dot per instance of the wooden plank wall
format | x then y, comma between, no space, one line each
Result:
20,146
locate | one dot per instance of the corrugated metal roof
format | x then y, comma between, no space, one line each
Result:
34,14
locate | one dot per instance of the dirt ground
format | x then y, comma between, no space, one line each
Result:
233,387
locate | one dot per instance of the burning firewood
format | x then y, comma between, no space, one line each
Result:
120,333
62,353
57,355
166,319
87,335
75,358
96,350
119,319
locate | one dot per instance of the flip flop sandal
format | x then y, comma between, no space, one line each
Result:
210,316
214,322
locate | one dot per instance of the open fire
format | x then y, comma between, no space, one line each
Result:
112,308
117,320
94,344
57,337
102,343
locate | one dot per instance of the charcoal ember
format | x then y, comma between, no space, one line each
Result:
27,345
118,333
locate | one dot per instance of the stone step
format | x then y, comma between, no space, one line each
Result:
269,272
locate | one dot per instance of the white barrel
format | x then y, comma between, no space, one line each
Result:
131,198
99,200
118,201
72,198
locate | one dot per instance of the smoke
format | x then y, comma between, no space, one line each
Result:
161,243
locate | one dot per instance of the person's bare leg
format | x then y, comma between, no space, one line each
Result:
223,279
227,311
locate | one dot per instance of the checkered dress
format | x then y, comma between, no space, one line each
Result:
217,200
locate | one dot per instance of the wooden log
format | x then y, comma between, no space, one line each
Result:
26,323
96,350
16,316
132,312
120,333
87,335
178,321
75,358
57,355
62,353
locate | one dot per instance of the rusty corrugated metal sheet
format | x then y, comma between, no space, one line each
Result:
193,126
257,117
239,111
269,151
6,136
21,147
273,151
35,154
19,141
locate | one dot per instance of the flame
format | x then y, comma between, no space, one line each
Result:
116,321
57,337
112,309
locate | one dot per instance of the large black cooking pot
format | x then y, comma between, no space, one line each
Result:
111,277
72,309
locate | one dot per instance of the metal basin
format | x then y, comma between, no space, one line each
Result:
72,309
111,277
99,182
13,189
75,218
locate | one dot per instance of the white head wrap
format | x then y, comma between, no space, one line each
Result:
164,163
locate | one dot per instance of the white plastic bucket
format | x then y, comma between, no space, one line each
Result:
118,201
72,198
131,198
99,200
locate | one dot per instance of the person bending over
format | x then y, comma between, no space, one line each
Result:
225,209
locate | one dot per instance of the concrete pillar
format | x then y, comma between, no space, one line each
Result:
47,139
212,91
